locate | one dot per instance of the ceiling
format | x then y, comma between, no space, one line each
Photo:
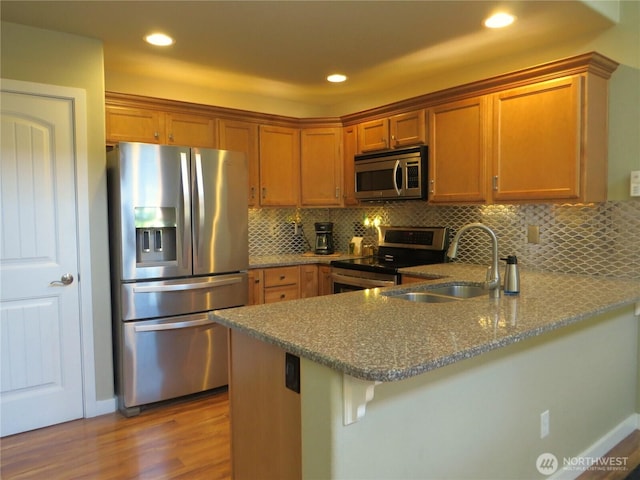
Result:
287,48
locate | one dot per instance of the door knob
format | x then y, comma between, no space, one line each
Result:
66,279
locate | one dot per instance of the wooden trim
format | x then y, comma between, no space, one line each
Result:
591,62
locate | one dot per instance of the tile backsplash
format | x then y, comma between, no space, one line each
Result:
599,239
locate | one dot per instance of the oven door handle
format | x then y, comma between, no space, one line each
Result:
361,282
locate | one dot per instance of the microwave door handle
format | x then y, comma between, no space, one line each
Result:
395,176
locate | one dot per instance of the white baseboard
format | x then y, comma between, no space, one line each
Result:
601,446
103,407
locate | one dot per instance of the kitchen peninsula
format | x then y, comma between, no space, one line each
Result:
396,389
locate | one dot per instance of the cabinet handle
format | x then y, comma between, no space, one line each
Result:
171,137
282,277
264,192
337,192
282,296
433,186
156,135
257,280
253,193
495,183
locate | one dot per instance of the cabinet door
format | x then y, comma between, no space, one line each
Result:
279,276
281,294
124,124
458,151
266,438
308,281
373,135
408,129
256,286
349,147
320,167
279,166
536,151
243,137
324,280
190,130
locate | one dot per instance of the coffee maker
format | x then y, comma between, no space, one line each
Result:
324,238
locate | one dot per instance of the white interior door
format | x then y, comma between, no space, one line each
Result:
40,337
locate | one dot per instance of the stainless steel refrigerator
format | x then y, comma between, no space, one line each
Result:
178,222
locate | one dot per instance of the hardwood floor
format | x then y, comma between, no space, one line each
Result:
182,440
628,449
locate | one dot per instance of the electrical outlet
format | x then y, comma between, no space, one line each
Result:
544,424
533,234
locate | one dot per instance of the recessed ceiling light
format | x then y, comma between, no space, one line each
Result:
159,39
336,78
499,20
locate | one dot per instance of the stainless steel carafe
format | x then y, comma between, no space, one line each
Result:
511,276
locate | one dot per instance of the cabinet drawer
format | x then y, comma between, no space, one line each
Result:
274,277
281,294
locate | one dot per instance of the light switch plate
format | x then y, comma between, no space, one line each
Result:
533,234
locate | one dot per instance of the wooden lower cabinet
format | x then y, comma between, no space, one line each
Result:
279,284
308,281
324,280
266,438
256,286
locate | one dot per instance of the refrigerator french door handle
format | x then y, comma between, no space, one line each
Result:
186,286
173,325
186,207
199,193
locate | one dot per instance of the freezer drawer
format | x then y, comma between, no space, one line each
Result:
171,357
157,299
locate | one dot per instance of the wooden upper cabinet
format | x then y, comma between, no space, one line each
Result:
243,137
129,124
279,166
401,130
190,130
321,167
537,141
406,129
373,135
124,124
349,148
458,151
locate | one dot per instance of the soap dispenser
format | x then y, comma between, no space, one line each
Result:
511,276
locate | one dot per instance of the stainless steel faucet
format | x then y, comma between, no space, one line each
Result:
492,282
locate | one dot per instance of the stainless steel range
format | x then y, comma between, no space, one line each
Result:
399,247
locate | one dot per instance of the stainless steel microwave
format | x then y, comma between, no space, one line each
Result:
392,175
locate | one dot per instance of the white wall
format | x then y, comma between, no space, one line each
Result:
43,56
479,418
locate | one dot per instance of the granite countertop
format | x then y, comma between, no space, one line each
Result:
265,261
376,337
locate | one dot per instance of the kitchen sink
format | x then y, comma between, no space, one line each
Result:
443,294
424,297
459,291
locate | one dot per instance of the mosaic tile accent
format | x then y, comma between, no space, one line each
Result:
600,239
